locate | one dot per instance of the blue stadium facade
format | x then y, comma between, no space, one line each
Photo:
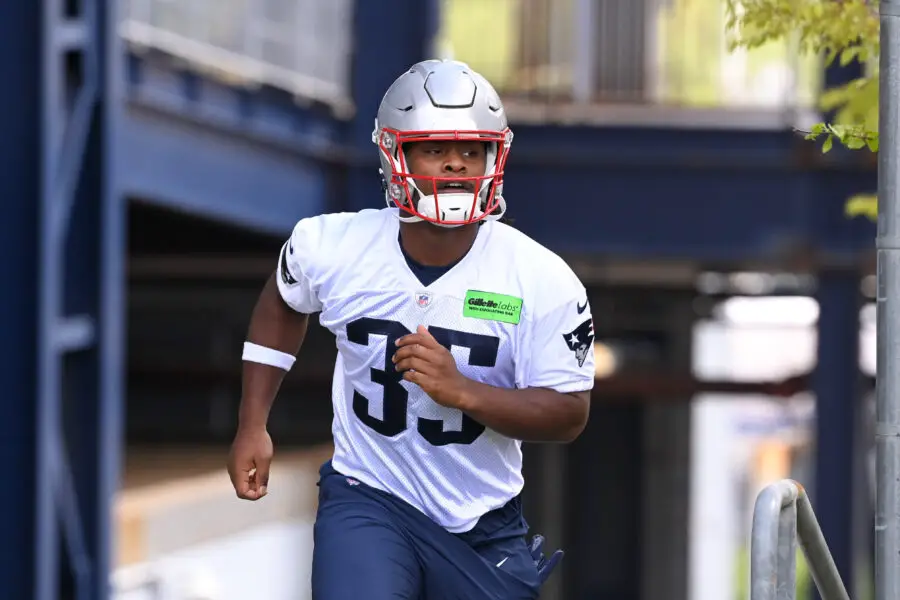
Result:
91,122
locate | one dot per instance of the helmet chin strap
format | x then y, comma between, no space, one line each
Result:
459,208
454,207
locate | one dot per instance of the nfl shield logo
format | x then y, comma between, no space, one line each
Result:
423,299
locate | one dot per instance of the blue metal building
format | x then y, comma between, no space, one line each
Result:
92,123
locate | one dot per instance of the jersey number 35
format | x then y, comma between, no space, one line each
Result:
482,353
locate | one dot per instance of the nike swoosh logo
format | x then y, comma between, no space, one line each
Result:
500,564
582,307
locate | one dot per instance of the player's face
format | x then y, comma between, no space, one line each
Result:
442,158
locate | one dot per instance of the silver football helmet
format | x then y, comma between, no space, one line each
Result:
443,100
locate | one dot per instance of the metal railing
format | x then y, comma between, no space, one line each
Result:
301,46
783,516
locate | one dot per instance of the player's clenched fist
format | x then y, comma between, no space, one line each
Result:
428,364
249,462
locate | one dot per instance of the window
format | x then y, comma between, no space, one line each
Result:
662,52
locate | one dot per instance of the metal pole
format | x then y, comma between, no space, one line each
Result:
783,515
824,572
773,543
887,419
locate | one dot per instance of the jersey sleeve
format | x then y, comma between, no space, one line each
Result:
560,353
298,262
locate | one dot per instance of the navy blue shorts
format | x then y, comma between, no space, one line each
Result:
373,546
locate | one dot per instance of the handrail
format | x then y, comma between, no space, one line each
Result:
303,47
782,516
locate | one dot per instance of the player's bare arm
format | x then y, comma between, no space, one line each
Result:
273,324
530,414
275,334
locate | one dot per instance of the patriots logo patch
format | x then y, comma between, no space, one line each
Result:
581,340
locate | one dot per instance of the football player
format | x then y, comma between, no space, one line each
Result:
458,338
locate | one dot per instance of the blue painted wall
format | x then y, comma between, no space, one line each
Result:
20,116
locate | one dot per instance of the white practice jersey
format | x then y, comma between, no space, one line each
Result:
513,314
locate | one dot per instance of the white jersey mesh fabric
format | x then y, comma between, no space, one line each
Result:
387,432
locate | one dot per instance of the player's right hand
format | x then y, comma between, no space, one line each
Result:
544,565
249,462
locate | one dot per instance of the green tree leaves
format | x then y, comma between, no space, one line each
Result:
841,31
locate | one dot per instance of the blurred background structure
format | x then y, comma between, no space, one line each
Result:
157,152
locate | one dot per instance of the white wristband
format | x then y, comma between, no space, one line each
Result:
268,356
